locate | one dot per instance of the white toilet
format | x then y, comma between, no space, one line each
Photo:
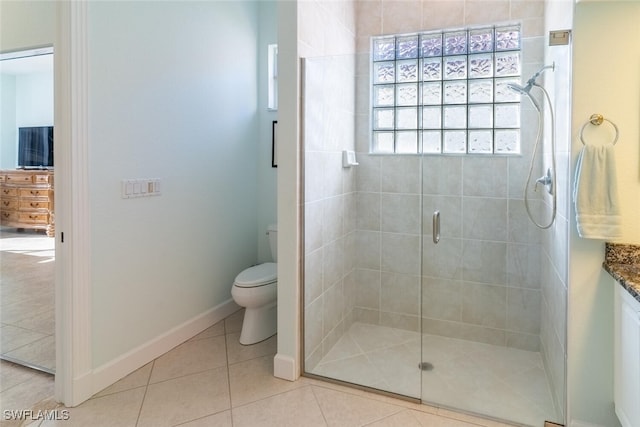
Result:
255,289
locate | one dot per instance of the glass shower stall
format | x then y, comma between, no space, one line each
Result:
423,275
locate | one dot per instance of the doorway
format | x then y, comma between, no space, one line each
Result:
27,245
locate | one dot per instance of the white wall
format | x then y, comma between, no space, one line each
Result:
606,70
26,24
267,176
611,86
172,95
27,100
34,99
287,361
23,25
8,130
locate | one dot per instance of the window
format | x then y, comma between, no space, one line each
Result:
446,92
272,83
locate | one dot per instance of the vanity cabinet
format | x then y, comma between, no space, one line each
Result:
627,358
26,199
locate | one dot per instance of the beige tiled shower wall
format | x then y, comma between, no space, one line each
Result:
364,227
327,42
482,281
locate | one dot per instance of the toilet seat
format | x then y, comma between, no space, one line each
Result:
258,275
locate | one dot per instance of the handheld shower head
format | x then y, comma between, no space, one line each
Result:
523,90
526,89
533,78
550,178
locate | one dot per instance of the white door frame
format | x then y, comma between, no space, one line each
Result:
73,239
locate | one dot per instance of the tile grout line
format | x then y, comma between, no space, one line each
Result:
146,388
226,353
274,395
315,398
398,408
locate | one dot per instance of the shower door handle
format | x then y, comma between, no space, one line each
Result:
436,227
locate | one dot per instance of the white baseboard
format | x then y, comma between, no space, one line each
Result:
578,423
117,369
285,367
82,389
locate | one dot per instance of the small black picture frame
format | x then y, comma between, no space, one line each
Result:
274,144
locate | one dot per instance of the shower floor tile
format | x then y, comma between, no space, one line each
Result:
499,382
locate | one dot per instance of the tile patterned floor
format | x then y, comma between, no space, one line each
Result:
27,294
212,380
500,382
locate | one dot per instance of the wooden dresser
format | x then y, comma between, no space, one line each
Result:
26,199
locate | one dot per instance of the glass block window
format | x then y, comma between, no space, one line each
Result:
446,92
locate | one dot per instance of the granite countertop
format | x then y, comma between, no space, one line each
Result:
623,263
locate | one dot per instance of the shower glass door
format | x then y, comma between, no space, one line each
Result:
481,298
484,268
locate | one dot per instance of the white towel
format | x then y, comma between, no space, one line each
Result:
596,193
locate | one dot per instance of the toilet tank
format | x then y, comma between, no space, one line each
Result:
272,232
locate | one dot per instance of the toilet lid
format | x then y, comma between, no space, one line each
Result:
258,275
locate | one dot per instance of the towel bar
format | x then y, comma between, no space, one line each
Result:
596,120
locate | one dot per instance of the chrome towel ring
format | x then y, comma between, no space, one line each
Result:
597,120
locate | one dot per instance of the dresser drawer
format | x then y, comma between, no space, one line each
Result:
9,192
9,204
38,193
3,178
19,179
32,204
33,217
8,216
40,179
